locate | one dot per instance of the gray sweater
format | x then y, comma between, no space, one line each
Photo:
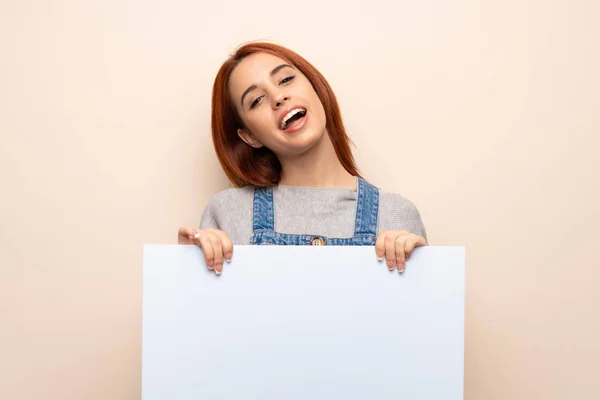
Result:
307,211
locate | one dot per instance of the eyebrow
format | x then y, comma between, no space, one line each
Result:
273,72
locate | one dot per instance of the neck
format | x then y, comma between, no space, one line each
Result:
319,167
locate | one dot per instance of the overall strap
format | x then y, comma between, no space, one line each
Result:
263,218
367,209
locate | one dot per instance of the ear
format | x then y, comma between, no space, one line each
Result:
249,138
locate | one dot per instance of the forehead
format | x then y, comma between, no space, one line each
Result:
252,69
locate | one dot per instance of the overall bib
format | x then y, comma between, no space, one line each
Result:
365,225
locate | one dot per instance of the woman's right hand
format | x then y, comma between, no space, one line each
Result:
215,244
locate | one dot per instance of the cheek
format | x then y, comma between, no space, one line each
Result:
260,123
320,109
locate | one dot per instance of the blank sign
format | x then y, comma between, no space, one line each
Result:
303,322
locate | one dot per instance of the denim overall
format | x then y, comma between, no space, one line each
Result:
365,226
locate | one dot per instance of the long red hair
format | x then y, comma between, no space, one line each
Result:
245,165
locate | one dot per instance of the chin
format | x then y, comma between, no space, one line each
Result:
305,142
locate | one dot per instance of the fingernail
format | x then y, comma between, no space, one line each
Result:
228,257
401,270
196,235
379,259
218,272
390,264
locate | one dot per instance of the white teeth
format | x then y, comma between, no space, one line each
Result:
288,116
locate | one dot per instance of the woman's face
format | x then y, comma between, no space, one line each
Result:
277,105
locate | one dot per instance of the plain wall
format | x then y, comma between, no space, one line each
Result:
484,114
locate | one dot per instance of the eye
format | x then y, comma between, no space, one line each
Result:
287,79
255,102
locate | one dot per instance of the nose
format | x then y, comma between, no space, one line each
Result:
280,99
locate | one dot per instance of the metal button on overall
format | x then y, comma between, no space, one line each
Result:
317,241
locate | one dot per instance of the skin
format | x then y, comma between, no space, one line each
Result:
269,86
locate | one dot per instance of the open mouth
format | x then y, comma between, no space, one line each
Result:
292,118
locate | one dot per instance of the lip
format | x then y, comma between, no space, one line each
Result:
287,110
297,125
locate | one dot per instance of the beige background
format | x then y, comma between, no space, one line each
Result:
485,114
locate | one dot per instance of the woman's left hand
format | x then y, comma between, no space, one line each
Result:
396,247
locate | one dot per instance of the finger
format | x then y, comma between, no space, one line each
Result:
226,244
413,242
207,247
184,231
218,249
409,245
400,255
390,252
380,246
185,235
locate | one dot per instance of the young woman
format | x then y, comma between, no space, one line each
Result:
279,136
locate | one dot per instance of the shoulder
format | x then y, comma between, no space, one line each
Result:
396,212
396,203
230,198
225,205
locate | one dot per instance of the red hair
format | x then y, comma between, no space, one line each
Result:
245,165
